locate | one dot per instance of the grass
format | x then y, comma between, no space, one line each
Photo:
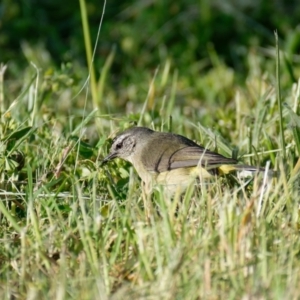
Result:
73,229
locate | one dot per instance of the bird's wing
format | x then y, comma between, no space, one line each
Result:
194,156
189,156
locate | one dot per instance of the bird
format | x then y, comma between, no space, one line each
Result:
170,159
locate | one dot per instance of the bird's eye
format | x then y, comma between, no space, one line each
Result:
119,145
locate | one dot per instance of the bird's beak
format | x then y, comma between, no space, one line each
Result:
109,157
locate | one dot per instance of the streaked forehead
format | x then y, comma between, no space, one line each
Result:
134,131
120,138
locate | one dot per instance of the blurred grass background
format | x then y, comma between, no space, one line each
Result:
182,30
146,34
71,229
206,47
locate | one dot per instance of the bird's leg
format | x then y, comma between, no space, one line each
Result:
146,195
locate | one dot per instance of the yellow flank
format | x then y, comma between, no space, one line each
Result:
182,176
225,169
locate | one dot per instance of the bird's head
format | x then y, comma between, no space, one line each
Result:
126,144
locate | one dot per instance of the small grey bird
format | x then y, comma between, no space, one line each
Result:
170,159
